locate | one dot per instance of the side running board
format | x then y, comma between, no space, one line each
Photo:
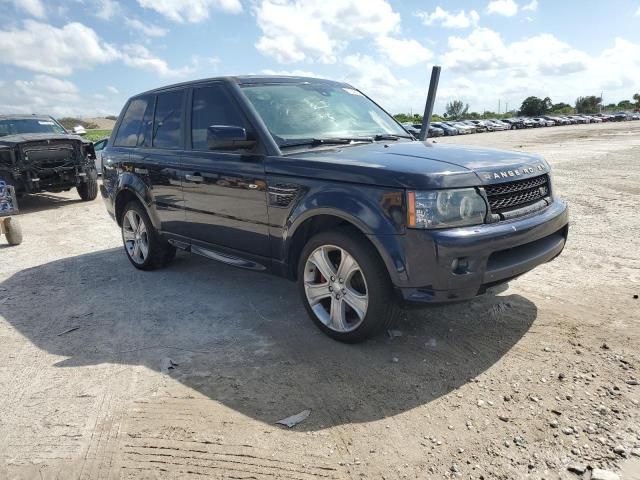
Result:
218,256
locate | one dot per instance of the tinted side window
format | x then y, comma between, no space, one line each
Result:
212,105
167,124
144,139
131,122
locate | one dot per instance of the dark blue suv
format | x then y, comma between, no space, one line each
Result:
311,180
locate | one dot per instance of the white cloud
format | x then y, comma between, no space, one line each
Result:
56,51
508,8
442,17
404,53
318,30
377,80
35,8
484,50
44,94
145,28
616,68
531,7
138,56
107,9
638,12
112,89
482,69
291,73
192,11
43,48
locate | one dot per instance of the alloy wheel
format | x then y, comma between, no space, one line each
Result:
336,288
135,237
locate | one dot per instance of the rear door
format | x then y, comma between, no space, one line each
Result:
157,157
224,191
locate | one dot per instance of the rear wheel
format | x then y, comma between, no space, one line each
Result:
144,247
88,190
13,231
345,286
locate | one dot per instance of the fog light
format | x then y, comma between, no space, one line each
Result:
460,265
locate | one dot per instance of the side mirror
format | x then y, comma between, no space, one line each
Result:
79,130
228,137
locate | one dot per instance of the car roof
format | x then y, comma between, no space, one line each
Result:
20,116
248,80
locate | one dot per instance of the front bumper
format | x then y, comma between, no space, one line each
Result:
461,263
34,180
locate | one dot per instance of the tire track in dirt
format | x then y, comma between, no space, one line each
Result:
160,434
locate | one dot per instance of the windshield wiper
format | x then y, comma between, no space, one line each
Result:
390,136
316,142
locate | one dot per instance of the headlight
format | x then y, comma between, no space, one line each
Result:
446,208
552,187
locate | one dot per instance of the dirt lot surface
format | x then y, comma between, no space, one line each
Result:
524,383
102,123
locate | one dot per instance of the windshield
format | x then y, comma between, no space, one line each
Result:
16,126
295,112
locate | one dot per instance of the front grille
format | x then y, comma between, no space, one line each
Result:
508,196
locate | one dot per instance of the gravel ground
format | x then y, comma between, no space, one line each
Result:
107,372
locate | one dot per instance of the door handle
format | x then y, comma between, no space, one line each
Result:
197,178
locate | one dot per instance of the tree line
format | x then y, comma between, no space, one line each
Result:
531,107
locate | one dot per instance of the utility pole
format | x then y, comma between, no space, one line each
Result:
506,108
431,100
499,107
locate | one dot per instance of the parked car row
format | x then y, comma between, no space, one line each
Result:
464,127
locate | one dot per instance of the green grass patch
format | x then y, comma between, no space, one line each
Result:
95,135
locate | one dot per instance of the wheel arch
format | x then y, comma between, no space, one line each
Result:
128,194
322,220
131,187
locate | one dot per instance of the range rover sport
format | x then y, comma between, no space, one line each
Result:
311,180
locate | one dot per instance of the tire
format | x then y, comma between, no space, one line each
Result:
89,190
143,246
366,279
12,231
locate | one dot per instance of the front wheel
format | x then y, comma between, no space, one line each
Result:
88,190
345,286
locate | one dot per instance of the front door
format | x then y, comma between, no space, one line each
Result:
224,191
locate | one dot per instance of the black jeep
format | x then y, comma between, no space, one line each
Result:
311,180
38,155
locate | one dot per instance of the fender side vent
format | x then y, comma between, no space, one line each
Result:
282,194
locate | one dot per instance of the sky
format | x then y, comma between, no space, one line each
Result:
86,57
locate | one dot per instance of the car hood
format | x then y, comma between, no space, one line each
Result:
38,137
414,165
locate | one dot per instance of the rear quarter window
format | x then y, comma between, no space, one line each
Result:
131,124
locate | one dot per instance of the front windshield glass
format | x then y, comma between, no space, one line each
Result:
16,126
296,112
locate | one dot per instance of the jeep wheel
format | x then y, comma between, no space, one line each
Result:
142,244
345,287
12,231
88,190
